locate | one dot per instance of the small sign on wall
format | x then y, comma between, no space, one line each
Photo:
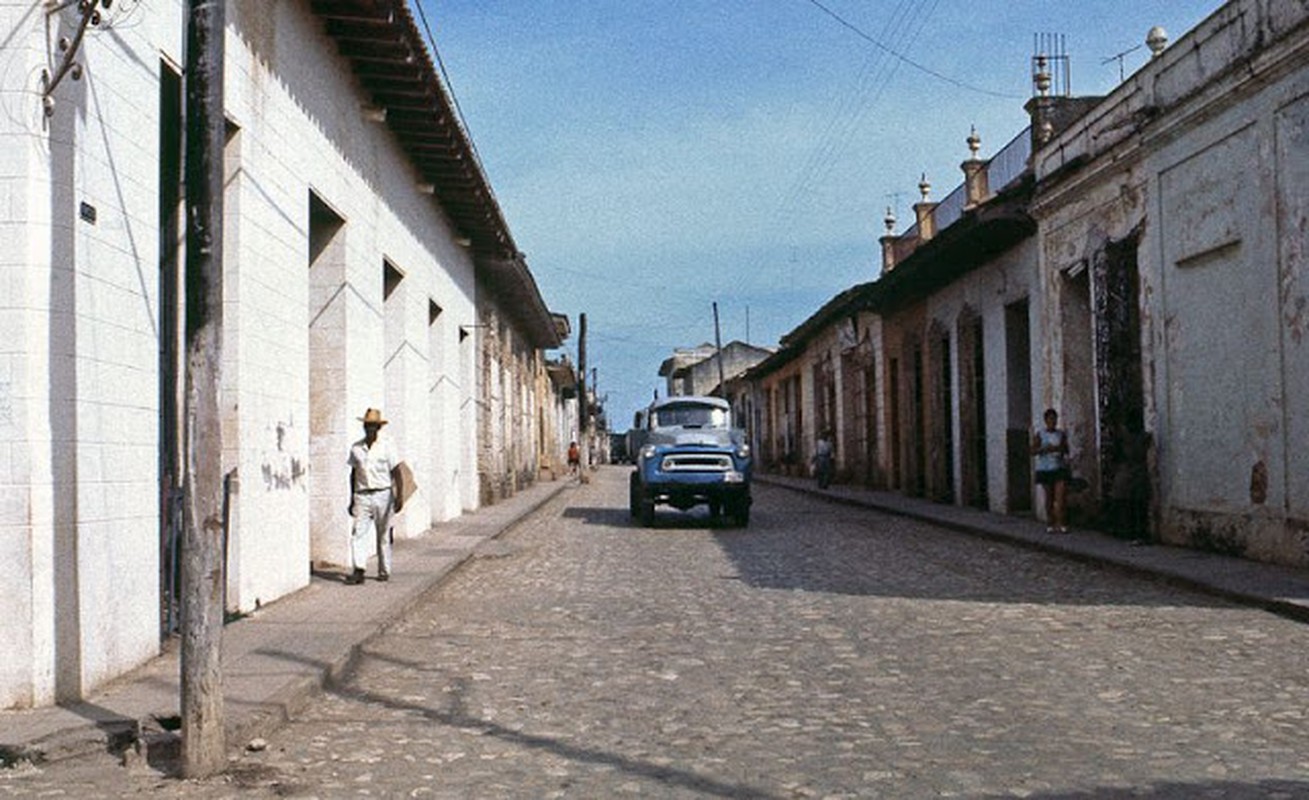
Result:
87,212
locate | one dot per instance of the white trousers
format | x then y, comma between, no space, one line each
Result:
372,530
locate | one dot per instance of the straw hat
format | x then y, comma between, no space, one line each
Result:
372,417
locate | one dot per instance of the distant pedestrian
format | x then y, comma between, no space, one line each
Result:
1050,447
824,451
574,459
373,467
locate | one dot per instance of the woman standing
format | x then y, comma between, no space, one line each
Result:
1050,447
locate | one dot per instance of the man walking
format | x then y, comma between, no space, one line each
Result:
372,475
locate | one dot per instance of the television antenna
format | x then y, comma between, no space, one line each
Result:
1120,58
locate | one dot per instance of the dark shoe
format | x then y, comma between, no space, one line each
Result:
355,578
383,577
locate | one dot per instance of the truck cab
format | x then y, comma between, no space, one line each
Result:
688,454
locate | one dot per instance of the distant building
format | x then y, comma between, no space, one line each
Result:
697,371
672,370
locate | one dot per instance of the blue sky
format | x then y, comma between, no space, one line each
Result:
652,158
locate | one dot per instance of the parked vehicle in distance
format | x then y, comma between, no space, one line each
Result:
689,454
618,448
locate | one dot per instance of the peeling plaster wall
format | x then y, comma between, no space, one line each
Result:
985,292
903,390
1079,221
1234,405
778,426
1202,155
509,443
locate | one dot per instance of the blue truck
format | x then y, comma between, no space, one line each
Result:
687,454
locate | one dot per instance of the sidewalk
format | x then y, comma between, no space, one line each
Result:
1281,590
275,660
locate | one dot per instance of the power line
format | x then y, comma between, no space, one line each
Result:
874,76
445,76
905,59
903,26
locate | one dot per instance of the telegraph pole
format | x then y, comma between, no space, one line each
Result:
583,405
204,750
718,342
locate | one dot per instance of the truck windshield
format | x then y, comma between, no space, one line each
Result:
690,416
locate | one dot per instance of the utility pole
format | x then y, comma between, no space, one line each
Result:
204,749
718,342
600,447
583,405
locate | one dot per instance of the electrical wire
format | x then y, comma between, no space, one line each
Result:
903,26
873,79
445,76
905,59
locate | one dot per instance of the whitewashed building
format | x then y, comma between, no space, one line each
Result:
361,239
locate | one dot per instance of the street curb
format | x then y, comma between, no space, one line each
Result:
299,693
142,738
1297,611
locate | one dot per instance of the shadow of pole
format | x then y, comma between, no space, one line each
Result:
456,716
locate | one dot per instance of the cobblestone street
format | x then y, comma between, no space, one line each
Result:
824,652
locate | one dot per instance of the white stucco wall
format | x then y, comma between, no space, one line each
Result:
78,399
79,316
302,129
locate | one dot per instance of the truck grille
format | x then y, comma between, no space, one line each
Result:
697,462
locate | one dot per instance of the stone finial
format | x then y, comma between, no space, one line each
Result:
1041,77
1156,40
976,178
923,211
888,241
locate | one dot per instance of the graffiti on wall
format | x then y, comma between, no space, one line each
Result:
281,469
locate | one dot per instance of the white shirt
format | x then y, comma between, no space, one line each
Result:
372,465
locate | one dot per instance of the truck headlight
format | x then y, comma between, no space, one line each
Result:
743,451
648,451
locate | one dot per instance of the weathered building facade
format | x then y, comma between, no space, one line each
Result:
1138,264
955,347
1173,232
702,374
912,374
515,417
362,247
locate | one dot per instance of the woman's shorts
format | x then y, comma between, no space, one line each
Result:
1053,476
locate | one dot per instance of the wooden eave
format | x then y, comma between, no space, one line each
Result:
386,51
